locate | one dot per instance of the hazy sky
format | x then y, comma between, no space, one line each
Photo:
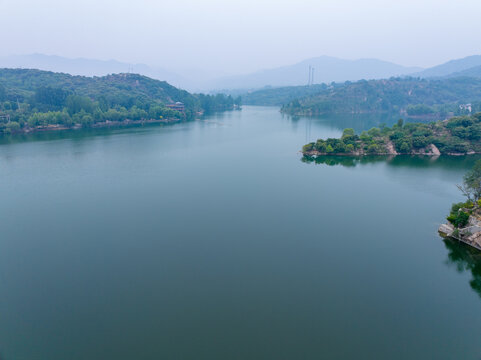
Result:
241,36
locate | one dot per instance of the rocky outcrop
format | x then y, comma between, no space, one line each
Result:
390,148
434,150
470,235
474,240
446,230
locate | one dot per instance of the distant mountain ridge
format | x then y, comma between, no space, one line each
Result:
459,68
326,69
330,69
87,67
471,72
451,67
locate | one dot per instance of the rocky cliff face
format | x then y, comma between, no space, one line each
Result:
470,235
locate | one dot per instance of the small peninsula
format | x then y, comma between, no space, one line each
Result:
464,220
457,136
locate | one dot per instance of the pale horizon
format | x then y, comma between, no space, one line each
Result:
241,37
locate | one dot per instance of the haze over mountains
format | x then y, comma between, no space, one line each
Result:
87,67
326,69
471,72
451,67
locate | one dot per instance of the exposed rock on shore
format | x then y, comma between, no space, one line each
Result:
470,235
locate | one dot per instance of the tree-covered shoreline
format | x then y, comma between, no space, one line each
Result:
413,97
456,136
464,219
34,100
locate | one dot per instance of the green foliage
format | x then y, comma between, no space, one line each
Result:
374,132
374,149
417,97
458,217
414,137
76,104
345,145
420,141
471,186
461,219
404,147
419,109
34,98
308,147
218,102
456,207
11,127
3,92
46,97
348,133
282,95
365,136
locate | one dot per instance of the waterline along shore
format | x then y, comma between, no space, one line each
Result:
457,136
103,124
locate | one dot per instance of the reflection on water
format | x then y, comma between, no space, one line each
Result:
200,241
315,126
460,256
348,161
447,162
465,258
77,134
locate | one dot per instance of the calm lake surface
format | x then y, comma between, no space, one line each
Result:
213,240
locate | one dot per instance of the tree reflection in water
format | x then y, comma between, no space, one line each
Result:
465,258
399,161
461,256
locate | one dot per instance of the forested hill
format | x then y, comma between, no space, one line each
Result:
118,88
416,97
32,98
471,72
271,96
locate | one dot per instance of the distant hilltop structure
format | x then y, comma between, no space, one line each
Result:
178,106
466,107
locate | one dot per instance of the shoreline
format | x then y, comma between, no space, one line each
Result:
99,125
362,154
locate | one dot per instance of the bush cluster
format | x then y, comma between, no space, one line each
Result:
458,217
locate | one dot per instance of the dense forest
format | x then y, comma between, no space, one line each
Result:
458,135
33,99
277,96
406,96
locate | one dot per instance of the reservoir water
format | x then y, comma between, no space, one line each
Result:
211,239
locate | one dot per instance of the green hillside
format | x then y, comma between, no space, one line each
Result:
409,96
32,98
280,95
